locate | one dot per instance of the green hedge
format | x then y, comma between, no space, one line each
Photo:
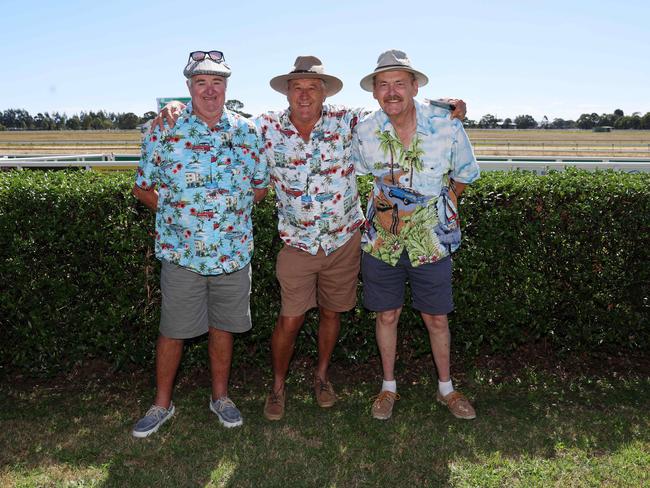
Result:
562,257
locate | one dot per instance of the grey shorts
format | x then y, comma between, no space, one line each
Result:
192,302
384,285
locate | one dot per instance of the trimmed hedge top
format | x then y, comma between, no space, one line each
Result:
564,257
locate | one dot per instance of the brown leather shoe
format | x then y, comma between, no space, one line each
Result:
458,405
324,392
382,408
274,405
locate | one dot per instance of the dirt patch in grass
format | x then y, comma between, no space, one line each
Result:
502,369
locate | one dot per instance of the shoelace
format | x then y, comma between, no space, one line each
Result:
157,410
385,395
226,403
275,397
324,385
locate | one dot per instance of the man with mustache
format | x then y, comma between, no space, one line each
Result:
421,161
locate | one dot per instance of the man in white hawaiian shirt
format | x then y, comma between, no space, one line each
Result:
421,160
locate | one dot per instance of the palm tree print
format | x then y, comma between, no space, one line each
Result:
413,157
410,159
389,144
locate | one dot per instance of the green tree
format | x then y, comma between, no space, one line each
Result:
73,123
470,124
59,120
525,122
645,121
544,124
236,106
147,116
128,120
588,121
607,120
559,123
633,121
488,121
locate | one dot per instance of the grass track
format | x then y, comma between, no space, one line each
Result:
486,142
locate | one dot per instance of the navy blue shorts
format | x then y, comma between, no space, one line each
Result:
384,285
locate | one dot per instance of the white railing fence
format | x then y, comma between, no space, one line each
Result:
539,165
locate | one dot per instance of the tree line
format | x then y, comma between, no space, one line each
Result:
616,120
23,120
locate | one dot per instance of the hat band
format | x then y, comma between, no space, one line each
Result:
405,66
306,71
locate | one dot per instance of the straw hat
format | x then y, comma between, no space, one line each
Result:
307,67
392,60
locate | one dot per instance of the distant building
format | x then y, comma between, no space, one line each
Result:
510,125
603,128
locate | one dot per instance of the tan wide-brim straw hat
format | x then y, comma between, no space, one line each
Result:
307,67
392,60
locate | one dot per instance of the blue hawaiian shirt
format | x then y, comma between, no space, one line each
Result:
409,207
315,182
205,179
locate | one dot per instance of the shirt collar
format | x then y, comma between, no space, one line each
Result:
286,123
225,122
421,120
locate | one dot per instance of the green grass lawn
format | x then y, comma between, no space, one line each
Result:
535,427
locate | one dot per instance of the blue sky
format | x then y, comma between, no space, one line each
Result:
507,58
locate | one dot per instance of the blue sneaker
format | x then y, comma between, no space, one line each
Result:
228,414
153,419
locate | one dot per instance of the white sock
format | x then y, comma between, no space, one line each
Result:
445,387
389,386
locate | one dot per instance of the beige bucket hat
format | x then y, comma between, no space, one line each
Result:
392,60
307,67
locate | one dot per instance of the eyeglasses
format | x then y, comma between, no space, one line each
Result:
216,56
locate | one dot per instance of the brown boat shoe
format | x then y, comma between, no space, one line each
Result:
458,405
382,408
274,405
324,391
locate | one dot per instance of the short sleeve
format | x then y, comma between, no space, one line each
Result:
147,175
465,167
261,173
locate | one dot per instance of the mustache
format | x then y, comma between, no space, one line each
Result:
393,98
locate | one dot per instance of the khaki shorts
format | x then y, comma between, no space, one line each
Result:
191,302
309,281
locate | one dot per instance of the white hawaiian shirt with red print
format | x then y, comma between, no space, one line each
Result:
315,182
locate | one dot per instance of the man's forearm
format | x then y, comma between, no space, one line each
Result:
260,193
457,187
148,197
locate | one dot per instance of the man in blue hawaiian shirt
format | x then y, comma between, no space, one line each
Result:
421,160
202,178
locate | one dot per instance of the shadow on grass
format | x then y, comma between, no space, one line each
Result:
80,433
